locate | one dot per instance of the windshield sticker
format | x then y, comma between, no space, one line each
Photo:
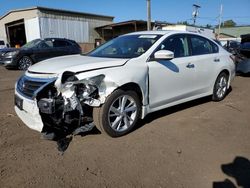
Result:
148,36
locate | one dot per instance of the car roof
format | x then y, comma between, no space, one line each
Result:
159,32
55,38
166,32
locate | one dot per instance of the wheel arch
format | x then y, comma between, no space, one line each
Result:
227,73
25,55
134,87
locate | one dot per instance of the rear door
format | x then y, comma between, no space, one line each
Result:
205,58
62,47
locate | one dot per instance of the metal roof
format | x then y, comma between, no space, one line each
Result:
125,23
235,31
56,10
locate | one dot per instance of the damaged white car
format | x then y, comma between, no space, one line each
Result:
122,81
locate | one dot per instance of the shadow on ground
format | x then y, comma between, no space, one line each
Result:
63,140
243,74
239,169
171,110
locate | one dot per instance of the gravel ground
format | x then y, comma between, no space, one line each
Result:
200,144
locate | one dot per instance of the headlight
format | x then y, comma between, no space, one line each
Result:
68,85
91,84
11,53
95,81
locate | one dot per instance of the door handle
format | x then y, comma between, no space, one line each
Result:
190,65
216,59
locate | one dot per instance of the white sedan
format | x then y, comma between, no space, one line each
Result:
122,81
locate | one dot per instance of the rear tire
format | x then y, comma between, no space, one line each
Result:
119,114
220,87
24,63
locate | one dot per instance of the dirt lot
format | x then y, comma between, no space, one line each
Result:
184,146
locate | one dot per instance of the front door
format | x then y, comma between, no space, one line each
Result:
171,80
44,50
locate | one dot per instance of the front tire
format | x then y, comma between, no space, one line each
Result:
119,114
24,63
220,87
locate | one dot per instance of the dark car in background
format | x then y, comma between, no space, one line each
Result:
37,50
243,55
232,46
2,44
245,45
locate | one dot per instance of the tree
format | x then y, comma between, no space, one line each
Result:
208,26
183,23
229,23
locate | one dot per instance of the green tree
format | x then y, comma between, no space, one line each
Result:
183,23
208,26
228,23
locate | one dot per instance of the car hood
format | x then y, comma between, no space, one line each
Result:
75,63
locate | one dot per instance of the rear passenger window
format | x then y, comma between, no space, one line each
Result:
61,43
215,47
200,46
46,44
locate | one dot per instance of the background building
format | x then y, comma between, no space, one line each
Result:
232,33
23,25
204,31
114,30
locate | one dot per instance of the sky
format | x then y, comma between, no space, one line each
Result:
162,10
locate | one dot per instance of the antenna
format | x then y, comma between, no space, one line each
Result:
195,12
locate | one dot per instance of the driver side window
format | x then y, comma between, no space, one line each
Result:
177,44
45,44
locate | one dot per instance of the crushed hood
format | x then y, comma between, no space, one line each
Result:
75,63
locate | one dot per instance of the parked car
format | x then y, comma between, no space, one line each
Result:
37,50
232,46
2,44
218,42
122,81
243,55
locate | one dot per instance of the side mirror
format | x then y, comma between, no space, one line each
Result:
164,55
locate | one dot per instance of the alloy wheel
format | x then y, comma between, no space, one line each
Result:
24,63
221,87
122,113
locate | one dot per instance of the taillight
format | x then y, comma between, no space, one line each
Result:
233,58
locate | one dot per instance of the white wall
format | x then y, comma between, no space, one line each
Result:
203,31
63,28
32,29
175,27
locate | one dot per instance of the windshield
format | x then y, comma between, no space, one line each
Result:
128,46
32,43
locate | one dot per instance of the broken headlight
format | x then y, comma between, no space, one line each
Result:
91,84
83,87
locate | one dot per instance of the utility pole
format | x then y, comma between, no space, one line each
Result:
220,17
195,12
149,14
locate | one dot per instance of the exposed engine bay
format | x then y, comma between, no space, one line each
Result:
67,103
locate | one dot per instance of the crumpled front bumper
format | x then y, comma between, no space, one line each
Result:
30,113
